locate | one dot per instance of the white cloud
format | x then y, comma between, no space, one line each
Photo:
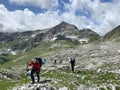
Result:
46,4
19,20
104,16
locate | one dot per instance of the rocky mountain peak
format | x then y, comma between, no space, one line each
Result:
62,29
63,23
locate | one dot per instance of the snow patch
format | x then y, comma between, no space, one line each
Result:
26,39
84,40
53,39
13,52
73,37
33,35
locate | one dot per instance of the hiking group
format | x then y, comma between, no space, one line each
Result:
35,64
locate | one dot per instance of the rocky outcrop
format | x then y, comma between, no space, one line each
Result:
34,87
43,85
5,75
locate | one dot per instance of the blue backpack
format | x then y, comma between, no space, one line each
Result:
43,61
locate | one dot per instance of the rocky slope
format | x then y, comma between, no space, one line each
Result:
97,68
21,40
113,35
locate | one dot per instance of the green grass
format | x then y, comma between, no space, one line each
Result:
88,78
4,59
6,84
69,79
24,57
9,84
94,38
64,79
98,78
109,66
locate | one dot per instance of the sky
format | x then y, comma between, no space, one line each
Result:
100,16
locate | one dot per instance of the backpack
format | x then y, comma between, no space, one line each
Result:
41,61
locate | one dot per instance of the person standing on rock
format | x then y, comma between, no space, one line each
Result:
72,62
35,68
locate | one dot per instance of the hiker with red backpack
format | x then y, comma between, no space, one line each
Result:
35,68
36,64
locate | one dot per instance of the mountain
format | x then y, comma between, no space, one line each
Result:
67,31
31,39
113,35
62,29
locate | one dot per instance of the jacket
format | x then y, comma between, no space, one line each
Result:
35,65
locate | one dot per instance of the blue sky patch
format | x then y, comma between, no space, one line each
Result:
12,7
106,1
83,12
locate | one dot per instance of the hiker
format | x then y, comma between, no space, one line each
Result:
72,62
55,61
35,68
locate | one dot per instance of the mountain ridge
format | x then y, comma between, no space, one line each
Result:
30,39
63,31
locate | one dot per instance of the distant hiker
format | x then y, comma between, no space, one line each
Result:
35,69
72,62
55,61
